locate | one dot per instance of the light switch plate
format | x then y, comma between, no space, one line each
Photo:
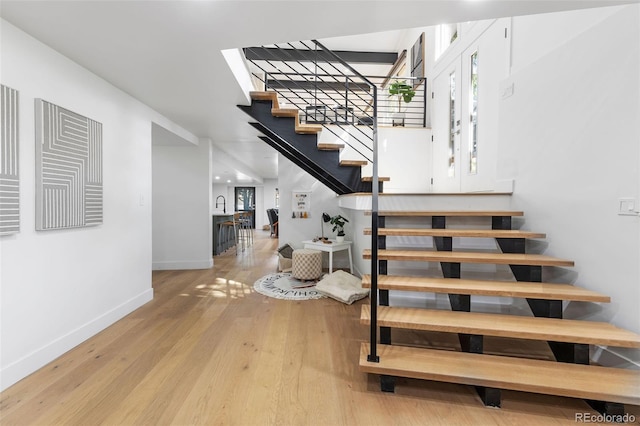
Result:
627,207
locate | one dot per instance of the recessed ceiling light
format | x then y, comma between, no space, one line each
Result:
228,180
217,177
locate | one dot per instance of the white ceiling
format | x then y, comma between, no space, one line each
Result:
168,54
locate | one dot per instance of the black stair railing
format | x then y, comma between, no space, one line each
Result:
318,82
413,112
307,78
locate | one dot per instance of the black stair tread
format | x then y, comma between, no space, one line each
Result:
500,325
448,232
448,213
469,257
528,375
524,289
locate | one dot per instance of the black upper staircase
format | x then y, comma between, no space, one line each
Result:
302,149
352,101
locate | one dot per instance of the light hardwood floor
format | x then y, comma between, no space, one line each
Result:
209,350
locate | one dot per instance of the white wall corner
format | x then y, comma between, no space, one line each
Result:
35,360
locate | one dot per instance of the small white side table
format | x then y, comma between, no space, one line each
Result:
330,248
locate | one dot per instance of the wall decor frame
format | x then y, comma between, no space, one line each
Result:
9,161
68,169
301,204
417,60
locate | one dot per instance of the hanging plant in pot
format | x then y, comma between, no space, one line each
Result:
403,92
338,223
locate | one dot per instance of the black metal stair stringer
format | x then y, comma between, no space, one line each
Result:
281,130
299,161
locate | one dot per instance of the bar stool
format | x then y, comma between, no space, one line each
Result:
239,234
246,230
227,228
248,217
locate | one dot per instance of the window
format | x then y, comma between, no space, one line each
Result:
445,35
452,125
473,128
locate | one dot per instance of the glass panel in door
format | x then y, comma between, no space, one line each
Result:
245,197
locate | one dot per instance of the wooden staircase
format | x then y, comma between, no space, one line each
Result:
283,130
605,388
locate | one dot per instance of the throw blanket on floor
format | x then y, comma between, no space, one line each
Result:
343,287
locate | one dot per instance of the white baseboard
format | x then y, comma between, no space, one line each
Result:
21,368
178,265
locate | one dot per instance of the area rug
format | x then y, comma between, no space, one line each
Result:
283,286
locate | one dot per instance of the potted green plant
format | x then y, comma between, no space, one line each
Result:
338,223
404,92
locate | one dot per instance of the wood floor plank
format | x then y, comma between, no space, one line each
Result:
181,358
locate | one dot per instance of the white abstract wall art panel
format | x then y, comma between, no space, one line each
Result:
68,168
9,170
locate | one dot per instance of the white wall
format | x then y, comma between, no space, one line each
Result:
268,201
399,149
181,207
559,28
323,200
569,137
270,186
58,288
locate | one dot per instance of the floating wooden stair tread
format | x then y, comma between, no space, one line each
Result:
380,179
472,233
548,291
449,213
330,146
265,96
469,257
513,326
353,162
527,375
285,112
276,111
308,128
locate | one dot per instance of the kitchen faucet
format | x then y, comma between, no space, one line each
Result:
224,203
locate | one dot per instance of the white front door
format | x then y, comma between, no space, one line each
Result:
465,112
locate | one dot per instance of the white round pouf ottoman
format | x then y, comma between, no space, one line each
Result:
306,264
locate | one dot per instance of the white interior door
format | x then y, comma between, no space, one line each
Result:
446,129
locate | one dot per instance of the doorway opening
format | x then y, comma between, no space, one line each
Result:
245,201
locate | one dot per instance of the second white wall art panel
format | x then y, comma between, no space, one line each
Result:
68,168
